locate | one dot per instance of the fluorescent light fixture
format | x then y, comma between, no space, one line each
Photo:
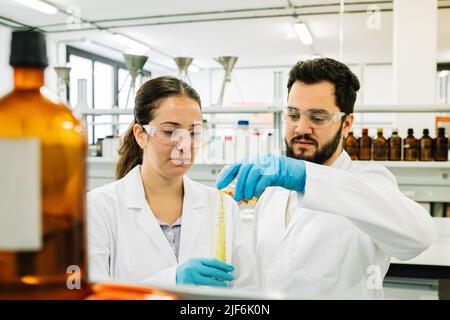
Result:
38,5
194,68
134,46
303,33
444,73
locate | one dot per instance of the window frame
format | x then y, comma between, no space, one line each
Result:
116,65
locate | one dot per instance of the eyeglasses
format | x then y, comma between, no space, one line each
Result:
172,136
317,118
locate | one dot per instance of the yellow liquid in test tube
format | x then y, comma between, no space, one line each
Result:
221,248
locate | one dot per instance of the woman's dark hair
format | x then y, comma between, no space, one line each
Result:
147,101
325,69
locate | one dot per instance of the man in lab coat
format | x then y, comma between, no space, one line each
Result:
325,226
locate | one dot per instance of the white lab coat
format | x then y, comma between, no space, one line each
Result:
126,243
351,219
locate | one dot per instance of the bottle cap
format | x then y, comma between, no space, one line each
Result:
365,130
28,49
243,122
441,130
380,130
426,131
410,131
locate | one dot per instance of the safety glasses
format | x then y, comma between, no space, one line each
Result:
171,135
317,118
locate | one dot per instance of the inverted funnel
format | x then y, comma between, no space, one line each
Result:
227,63
135,64
63,86
183,64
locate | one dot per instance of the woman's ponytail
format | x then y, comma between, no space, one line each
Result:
130,154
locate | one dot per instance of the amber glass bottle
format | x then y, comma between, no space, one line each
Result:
410,147
441,146
395,147
365,146
42,225
351,146
380,147
426,147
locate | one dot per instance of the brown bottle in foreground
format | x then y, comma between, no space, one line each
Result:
426,147
395,147
351,146
410,147
380,147
42,165
441,146
365,146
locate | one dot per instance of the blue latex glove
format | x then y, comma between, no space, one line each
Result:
255,175
203,271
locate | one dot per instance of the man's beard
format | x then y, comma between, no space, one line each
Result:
321,155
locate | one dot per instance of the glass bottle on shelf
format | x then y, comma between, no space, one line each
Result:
365,146
42,223
426,147
380,146
228,149
441,146
410,147
395,146
242,140
351,146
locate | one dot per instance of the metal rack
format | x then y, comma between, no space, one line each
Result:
444,108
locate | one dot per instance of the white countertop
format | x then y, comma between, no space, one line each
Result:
438,254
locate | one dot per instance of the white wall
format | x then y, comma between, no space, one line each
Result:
6,79
253,86
376,89
414,59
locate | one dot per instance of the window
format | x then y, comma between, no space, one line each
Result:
105,77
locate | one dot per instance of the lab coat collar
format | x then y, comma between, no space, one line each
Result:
135,194
343,162
134,189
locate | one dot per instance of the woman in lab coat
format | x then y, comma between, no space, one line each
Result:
154,225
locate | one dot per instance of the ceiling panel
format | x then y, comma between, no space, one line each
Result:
135,8
257,42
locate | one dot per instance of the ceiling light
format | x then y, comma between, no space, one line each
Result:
303,33
39,6
444,73
134,46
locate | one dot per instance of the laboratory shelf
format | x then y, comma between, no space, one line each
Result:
420,181
104,112
245,109
444,108
107,160
403,108
205,110
410,164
